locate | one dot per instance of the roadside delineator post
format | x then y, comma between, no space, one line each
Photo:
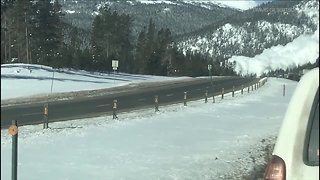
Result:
284,90
45,116
241,89
156,103
232,91
185,99
248,89
13,131
213,100
222,93
206,96
114,109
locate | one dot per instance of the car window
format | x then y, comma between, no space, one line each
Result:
312,138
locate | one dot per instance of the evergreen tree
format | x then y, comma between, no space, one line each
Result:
177,65
140,55
110,39
150,45
48,37
15,28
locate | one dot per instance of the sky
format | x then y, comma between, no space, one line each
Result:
199,141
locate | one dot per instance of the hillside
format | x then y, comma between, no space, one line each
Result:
179,16
250,32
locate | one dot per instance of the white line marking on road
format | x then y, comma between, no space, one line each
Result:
168,95
142,99
199,89
102,105
30,114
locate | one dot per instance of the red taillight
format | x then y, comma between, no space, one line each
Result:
276,169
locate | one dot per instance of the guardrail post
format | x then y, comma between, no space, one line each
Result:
232,91
114,109
45,116
185,99
241,89
156,102
13,131
284,90
206,96
222,93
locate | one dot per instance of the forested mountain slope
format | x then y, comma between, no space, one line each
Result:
250,32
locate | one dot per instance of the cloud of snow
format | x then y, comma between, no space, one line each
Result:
300,51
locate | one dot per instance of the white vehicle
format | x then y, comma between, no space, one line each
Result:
296,152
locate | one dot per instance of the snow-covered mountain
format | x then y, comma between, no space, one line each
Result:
241,5
179,16
250,32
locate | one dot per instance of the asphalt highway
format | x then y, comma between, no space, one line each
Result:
131,99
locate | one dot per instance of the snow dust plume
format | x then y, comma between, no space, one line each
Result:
300,51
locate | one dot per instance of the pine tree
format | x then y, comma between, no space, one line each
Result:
48,37
140,55
15,25
110,39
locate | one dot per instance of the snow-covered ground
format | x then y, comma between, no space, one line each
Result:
23,80
200,141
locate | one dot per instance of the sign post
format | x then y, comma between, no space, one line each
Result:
156,102
13,131
222,93
185,98
114,109
241,89
45,117
206,96
115,65
210,74
232,91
